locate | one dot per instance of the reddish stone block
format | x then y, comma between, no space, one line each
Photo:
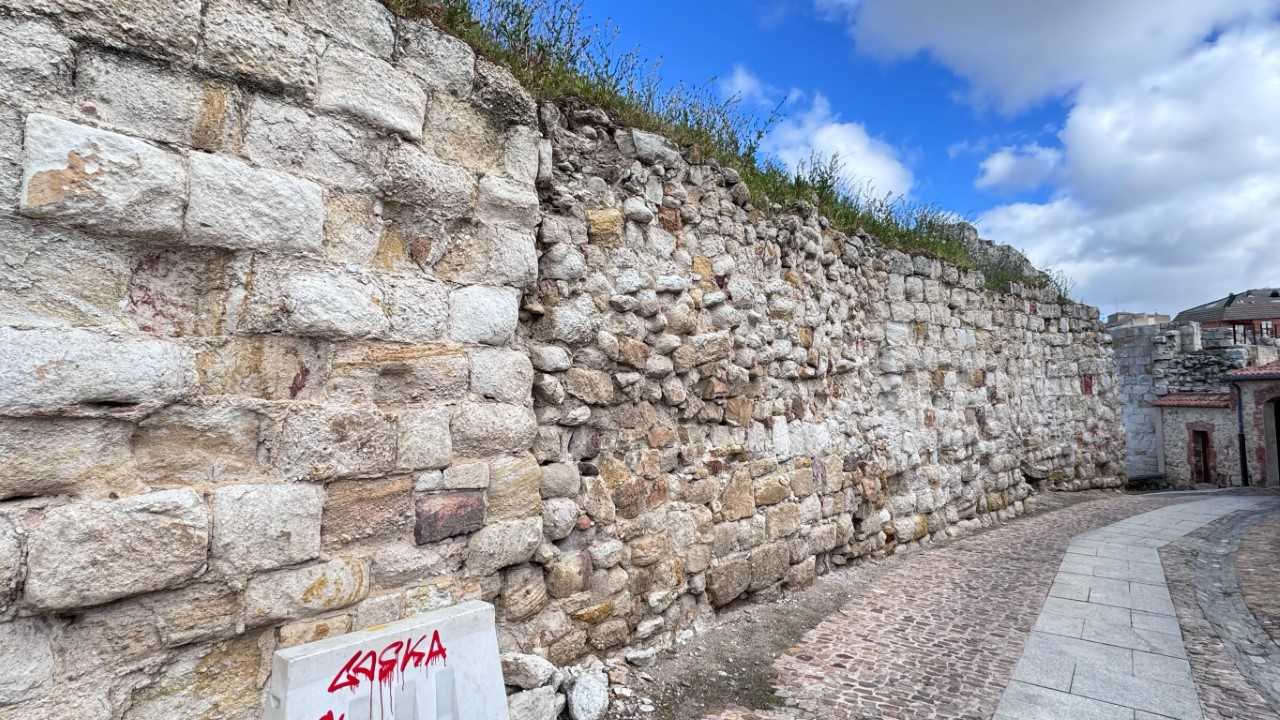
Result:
445,515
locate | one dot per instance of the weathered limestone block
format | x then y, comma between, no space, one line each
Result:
264,527
507,202
526,671
425,442
415,177
769,563
501,544
365,24
524,593
50,456
93,552
46,370
308,631
481,429
372,90
289,594
560,480
604,226
502,375
198,444
590,386
559,517
36,61
160,28
330,305
230,674
10,562
538,704
439,60
26,659
651,148
321,442
728,579
142,99
237,206
268,49
385,373
99,180
514,484
445,515
323,148
483,314
356,510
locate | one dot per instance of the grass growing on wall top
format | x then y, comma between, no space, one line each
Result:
557,55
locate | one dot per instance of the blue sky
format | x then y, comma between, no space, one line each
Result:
1126,143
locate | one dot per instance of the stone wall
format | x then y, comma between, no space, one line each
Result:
1135,369
1224,447
309,322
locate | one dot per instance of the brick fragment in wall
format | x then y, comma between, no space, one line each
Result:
90,553
443,515
242,40
48,370
99,180
237,206
372,90
366,24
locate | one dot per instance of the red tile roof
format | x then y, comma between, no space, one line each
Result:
1269,371
1195,400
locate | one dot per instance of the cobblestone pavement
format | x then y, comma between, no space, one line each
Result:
939,634
1107,645
1235,664
1258,568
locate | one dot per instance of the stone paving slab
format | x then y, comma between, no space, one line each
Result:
1107,643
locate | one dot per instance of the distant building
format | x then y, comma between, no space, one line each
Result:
1132,319
1252,315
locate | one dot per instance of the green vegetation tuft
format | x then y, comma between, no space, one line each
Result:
558,56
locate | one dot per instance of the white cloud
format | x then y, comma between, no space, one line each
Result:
744,85
1170,184
818,132
1015,169
1016,53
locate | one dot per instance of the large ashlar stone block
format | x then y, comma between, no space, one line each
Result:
365,24
358,509
502,544
94,552
324,148
425,443
321,442
47,456
502,375
483,314
160,28
385,373
439,60
482,429
46,370
332,305
26,659
99,180
501,201
36,61
235,205
514,484
264,527
271,50
372,90
415,177
289,594
149,101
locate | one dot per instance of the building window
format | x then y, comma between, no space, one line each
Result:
1268,328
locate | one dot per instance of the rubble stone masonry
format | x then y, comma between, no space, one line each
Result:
310,320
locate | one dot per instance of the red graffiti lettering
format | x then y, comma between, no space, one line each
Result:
329,716
382,666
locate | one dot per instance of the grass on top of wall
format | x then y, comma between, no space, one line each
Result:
557,55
